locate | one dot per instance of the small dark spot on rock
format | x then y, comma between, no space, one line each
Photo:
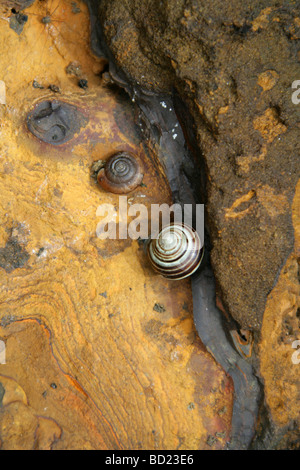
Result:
170,339
108,250
57,192
21,18
53,385
46,20
54,88
36,84
75,8
159,308
17,22
44,393
7,320
222,411
55,122
191,406
141,241
2,392
104,294
13,255
41,250
221,435
211,440
153,328
241,30
82,83
185,306
74,68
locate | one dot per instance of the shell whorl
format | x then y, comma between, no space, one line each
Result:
177,251
121,174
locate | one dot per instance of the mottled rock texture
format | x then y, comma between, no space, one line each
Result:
17,4
101,352
279,347
233,63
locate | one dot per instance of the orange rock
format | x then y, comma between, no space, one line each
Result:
269,125
268,79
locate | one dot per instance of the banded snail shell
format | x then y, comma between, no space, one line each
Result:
177,251
121,174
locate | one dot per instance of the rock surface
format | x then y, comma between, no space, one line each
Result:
101,353
280,344
234,64
18,5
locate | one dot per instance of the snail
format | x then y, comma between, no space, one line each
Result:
121,174
177,251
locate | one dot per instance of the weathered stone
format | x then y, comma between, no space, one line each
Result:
280,339
233,63
16,4
89,363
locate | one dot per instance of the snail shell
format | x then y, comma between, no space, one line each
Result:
177,252
121,174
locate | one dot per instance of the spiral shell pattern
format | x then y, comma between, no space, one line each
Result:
177,252
121,174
